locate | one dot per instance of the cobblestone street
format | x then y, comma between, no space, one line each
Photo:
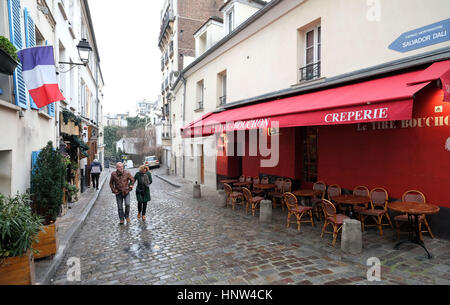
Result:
199,241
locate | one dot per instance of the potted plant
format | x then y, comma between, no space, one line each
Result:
18,228
72,191
8,56
47,185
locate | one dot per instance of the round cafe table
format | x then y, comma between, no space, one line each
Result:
414,210
308,193
229,181
264,187
351,200
245,183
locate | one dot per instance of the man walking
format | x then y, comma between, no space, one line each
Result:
96,169
121,184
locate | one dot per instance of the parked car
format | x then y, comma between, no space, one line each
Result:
129,164
151,161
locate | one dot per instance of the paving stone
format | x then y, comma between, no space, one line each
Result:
184,241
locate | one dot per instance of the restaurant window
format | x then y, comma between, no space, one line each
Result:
310,135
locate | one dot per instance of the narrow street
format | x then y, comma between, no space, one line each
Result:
187,241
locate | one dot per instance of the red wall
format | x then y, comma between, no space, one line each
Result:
397,159
289,157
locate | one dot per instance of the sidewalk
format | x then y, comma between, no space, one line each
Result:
68,227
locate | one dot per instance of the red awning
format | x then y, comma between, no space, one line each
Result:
385,99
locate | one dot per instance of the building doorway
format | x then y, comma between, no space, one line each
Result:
310,140
201,163
5,171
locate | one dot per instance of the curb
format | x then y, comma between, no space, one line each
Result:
167,180
71,233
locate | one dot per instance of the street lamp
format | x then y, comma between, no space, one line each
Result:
84,49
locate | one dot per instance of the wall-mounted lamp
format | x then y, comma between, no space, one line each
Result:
84,49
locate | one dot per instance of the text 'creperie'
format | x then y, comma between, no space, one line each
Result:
359,115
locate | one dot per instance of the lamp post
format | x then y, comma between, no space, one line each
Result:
84,50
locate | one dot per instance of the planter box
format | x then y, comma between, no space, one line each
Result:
7,63
48,241
17,270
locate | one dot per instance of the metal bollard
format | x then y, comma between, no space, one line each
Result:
197,192
82,180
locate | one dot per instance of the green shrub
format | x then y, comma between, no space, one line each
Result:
8,47
18,225
48,183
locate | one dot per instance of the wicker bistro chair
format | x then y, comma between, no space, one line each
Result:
334,190
413,196
294,209
253,201
249,179
239,188
361,190
233,196
378,210
332,218
316,200
256,191
278,193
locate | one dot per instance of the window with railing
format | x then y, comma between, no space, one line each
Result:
200,95
312,52
223,100
162,63
171,49
222,87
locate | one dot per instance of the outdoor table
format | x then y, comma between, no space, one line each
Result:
351,200
414,210
308,193
264,187
229,181
242,183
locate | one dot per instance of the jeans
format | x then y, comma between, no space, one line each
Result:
95,180
120,198
142,207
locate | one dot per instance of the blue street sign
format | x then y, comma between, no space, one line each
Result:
422,37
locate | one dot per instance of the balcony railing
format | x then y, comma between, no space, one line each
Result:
199,106
168,17
223,100
310,72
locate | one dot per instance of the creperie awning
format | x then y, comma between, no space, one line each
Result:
384,99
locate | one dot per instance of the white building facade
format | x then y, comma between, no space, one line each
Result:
62,24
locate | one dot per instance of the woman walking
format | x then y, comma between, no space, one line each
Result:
144,179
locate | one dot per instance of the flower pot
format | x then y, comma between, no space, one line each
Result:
7,63
48,241
18,270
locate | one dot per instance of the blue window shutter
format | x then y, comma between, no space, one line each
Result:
30,41
51,109
34,157
15,30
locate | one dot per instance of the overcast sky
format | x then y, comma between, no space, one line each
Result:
127,39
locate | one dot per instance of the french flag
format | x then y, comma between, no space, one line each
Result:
39,74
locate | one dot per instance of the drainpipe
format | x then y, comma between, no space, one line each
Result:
184,121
